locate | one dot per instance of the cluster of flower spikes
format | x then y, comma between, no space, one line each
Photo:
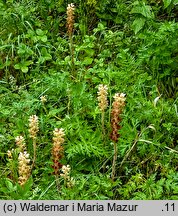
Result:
58,149
117,108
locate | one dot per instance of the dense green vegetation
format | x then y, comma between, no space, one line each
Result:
130,46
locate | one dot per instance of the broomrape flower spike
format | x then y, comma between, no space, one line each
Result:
33,125
43,99
103,103
70,27
57,150
20,142
9,154
117,107
23,168
66,175
66,171
102,97
70,18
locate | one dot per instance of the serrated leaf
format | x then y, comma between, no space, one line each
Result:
138,24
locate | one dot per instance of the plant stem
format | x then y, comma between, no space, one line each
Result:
72,55
34,152
102,122
57,183
114,162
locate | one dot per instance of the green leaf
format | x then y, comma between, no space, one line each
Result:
44,38
175,2
87,61
40,32
167,3
90,52
23,66
27,63
5,64
9,185
24,69
45,56
144,10
17,66
138,24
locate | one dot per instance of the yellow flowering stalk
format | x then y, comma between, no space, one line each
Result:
66,175
24,169
102,103
43,99
20,142
9,154
33,126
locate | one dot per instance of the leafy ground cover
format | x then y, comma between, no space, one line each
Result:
63,132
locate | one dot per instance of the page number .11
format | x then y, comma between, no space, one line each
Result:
170,207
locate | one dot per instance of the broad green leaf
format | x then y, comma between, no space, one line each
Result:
27,63
138,24
167,3
87,61
45,53
17,66
144,10
40,32
23,66
9,185
24,50
24,69
90,52
44,38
